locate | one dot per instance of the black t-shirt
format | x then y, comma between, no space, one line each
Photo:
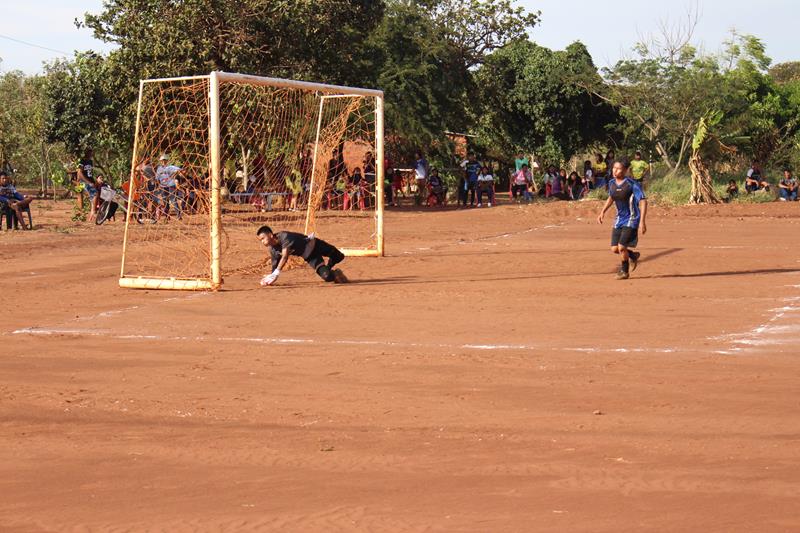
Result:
297,243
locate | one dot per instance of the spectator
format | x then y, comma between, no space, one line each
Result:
609,161
421,170
397,185
640,169
86,176
519,185
732,190
148,185
485,185
558,184
788,187
471,171
168,193
550,175
755,180
16,201
438,191
599,169
588,175
575,186
521,161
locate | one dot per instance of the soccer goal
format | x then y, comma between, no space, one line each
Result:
217,156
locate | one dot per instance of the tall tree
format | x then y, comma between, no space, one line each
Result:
534,99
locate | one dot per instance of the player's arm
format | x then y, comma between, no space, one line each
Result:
608,203
643,210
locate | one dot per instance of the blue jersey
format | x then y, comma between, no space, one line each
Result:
473,168
627,196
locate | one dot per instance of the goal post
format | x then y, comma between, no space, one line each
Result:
217,156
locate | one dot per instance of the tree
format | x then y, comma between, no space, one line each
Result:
23,146
533,99
705,141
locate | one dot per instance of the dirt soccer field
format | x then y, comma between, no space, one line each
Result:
489,375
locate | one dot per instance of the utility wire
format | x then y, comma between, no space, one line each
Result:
34,45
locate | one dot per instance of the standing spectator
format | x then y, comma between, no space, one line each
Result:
520,161
86,176
13,199
788,186
610,157
471,171
421,170
588,175
168,193
147,183
575,186
397,186
640,169
519,185
599,169
485,185
755,180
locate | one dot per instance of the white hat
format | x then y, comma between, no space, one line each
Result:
164,157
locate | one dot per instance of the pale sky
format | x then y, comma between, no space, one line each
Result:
608,29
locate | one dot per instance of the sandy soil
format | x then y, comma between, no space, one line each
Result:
488,375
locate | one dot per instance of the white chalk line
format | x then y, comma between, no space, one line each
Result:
333,342
486,238
770,333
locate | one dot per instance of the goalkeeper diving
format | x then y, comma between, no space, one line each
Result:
285,243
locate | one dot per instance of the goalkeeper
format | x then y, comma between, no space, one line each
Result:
285,243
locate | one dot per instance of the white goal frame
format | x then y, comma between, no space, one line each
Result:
215,172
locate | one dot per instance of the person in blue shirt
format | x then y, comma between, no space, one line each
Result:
631,204
472,168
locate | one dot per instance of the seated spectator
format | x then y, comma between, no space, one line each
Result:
523,179
575,186
13,199
550,175
788,187
437,189
755,180
588,175
732,190
558,185
485,185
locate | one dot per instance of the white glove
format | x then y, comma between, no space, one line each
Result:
271,278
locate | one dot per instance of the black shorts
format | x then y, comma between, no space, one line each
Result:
625,236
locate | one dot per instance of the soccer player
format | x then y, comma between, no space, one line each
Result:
285,243
631,205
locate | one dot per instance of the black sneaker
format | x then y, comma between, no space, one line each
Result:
622,274
633,257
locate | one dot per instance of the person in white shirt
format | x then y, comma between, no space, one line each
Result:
485,185
168,194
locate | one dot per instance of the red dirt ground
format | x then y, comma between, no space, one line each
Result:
489,374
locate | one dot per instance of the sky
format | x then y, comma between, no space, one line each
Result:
608,29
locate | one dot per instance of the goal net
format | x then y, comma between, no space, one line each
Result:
216,157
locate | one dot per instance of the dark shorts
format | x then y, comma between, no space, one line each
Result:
625,236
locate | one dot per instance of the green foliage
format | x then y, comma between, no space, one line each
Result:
533,99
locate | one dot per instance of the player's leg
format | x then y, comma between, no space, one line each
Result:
317,262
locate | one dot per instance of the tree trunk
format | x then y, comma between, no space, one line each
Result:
662,152
702,186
